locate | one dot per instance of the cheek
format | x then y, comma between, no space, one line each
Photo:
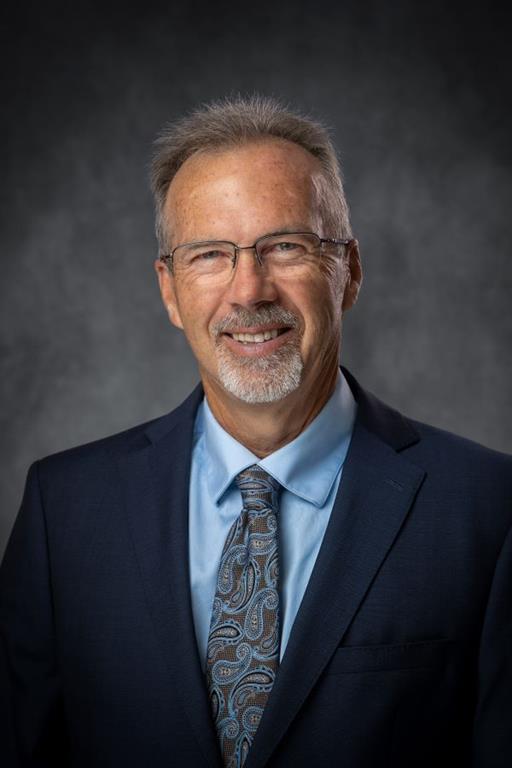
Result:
195,314
335,273
323,299
335,284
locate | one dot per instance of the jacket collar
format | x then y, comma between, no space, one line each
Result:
380,419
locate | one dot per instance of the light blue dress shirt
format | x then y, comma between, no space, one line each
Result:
309,469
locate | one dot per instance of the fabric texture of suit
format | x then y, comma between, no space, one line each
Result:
400,654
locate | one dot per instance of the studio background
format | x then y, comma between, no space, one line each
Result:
418,99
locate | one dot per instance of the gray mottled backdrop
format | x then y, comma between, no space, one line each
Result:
418,97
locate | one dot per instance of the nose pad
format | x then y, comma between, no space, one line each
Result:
250,284
258,258
247,248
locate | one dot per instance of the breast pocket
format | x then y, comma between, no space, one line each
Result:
381,658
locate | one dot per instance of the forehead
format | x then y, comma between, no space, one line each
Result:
261,178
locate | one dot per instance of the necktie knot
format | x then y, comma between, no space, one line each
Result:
259,490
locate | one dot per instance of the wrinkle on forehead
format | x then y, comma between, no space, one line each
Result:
212,179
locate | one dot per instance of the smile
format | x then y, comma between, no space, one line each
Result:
257,338
256,341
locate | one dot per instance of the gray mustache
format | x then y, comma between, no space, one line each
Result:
246,318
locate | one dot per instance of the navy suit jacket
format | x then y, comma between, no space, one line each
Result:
400,654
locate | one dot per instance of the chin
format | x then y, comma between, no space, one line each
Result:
261,380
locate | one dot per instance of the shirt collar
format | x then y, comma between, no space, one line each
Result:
307,466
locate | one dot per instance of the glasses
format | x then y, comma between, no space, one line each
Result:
285,254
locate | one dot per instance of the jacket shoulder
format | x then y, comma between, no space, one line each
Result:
460,454
102,452
455,465
110,445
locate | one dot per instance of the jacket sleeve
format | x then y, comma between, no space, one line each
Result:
492,739
36,733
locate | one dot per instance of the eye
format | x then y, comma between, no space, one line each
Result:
209,255
286,246
206,259
284,250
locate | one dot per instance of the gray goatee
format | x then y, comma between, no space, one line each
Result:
261,379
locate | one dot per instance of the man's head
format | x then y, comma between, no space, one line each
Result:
232,174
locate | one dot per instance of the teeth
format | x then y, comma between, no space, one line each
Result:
256,338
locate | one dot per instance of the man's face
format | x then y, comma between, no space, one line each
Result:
239,195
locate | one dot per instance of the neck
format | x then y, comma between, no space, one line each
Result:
263,428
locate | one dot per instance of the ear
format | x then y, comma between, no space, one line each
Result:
355,276
168,292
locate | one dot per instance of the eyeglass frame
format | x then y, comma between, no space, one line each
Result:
168,258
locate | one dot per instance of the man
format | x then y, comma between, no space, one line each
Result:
283,571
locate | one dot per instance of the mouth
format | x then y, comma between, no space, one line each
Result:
248,336
256,341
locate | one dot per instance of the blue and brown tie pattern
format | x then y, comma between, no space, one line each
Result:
243,643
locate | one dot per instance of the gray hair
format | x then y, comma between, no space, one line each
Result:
235,122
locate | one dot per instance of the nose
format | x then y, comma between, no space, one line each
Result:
250,284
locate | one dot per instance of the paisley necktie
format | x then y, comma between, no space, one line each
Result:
243,643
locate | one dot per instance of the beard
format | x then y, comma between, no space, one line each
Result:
264,379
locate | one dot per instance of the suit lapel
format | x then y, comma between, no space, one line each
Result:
377,489
156,479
